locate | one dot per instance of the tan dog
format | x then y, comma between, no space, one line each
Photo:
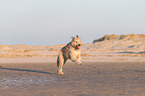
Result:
71,51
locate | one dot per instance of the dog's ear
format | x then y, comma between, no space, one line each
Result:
73,38
77,36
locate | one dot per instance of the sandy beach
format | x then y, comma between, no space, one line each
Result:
96,78
110,68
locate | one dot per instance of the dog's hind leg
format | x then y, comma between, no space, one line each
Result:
60,62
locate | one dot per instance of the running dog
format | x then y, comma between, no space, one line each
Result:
71,51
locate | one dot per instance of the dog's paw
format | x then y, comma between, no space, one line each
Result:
60,73
79,63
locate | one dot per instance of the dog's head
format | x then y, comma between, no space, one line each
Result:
76,42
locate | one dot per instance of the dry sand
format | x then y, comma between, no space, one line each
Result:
130,45
114,78
114,67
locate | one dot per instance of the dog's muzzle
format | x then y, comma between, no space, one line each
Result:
79,44
78,47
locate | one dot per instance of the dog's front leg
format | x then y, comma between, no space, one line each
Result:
75,58
79,59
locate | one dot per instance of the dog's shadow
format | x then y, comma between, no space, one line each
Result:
26,70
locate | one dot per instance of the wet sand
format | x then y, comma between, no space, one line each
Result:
122,78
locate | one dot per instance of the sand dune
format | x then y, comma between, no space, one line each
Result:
124,45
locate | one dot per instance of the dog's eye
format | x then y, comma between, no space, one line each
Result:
76,42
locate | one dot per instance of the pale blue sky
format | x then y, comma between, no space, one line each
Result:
51,22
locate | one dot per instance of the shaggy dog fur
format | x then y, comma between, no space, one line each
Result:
71,51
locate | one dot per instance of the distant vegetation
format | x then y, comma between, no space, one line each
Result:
118,37
128,45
